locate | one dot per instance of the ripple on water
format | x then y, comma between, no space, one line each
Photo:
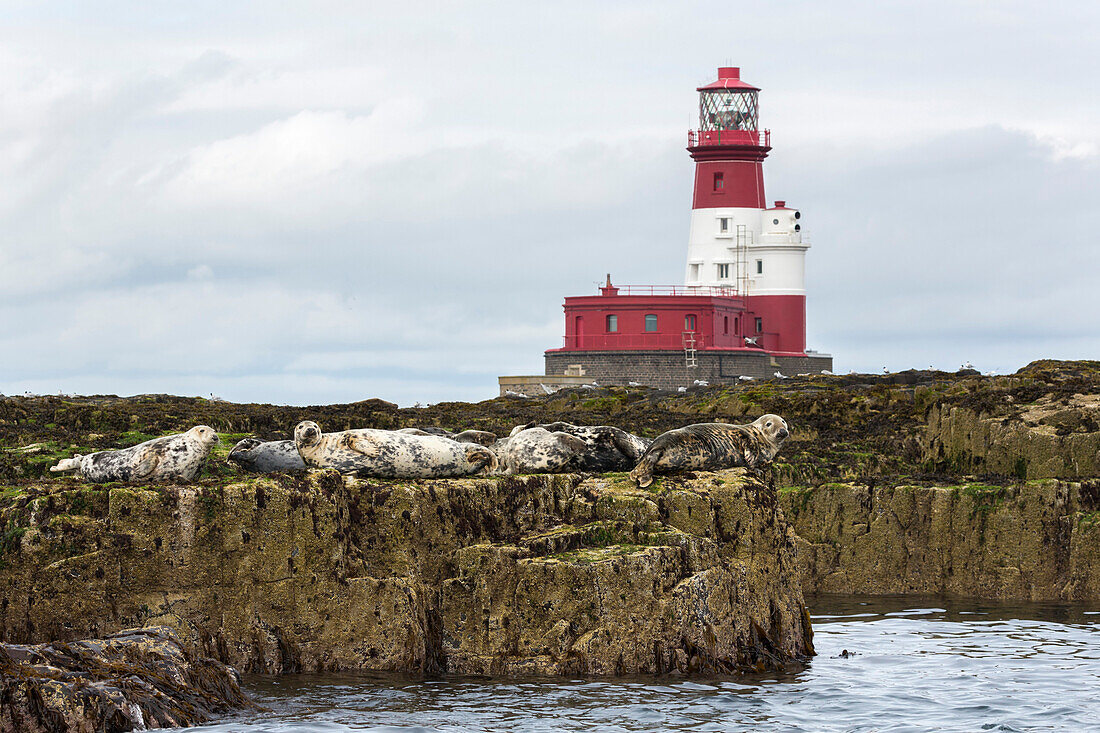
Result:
911,667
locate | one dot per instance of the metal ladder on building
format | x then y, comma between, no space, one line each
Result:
689,349
741,257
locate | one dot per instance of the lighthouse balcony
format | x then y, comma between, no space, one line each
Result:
781,238
754,138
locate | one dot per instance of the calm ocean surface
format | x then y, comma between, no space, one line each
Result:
917,666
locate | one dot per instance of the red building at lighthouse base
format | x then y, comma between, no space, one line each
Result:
672,337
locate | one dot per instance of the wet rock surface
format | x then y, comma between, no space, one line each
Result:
530,574
132,680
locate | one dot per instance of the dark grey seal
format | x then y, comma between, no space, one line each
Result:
258,456
607,448
711,447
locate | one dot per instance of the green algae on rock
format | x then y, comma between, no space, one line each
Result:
526,574
1036,541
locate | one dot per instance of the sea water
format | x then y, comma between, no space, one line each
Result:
883,664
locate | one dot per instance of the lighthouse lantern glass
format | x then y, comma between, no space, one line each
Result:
728,109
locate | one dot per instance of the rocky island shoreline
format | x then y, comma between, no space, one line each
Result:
918,482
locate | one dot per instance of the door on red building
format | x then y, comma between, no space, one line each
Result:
689,322
578,331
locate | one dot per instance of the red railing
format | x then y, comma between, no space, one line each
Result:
626,341
725,291
697,138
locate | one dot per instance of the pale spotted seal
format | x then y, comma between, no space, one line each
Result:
712,446
608,448
390,454
177,457
538,450
258,456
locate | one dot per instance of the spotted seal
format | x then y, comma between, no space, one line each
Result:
712,446
481,437
608,448
258,456
177,457
390,454
538,450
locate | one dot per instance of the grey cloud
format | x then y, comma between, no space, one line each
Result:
418,254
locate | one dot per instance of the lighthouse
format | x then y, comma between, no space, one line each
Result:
736,240
741,312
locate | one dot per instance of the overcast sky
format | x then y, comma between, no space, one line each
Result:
329,201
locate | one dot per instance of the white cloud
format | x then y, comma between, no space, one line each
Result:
308,205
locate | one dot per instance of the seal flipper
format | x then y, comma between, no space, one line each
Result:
643,472
625,445
146,464
67,464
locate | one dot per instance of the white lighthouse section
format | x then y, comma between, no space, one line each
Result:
751,251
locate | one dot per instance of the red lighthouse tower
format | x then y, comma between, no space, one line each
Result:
728,148
741,311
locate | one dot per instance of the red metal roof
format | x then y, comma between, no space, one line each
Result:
729,77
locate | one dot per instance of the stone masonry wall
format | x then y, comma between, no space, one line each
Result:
667,369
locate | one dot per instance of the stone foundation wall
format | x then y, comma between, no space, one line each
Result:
667,369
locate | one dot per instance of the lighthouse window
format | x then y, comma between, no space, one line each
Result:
651,323
725,324
723,272
775,221
612,324
719,184
760,325
689,323
760,267
723,224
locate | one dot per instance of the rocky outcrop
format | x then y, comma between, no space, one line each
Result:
132,680
1035,541
310,572
1051,438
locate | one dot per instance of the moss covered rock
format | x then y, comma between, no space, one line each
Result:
540,574
1033,541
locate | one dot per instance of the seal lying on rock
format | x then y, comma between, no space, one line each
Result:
390,454
260,457
608,448
177,457
481,437
712,446
538,450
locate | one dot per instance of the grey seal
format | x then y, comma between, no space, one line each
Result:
712,446
538,450
390,454
607,448
177,457
258,456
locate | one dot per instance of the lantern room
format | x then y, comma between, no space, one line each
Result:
729,103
